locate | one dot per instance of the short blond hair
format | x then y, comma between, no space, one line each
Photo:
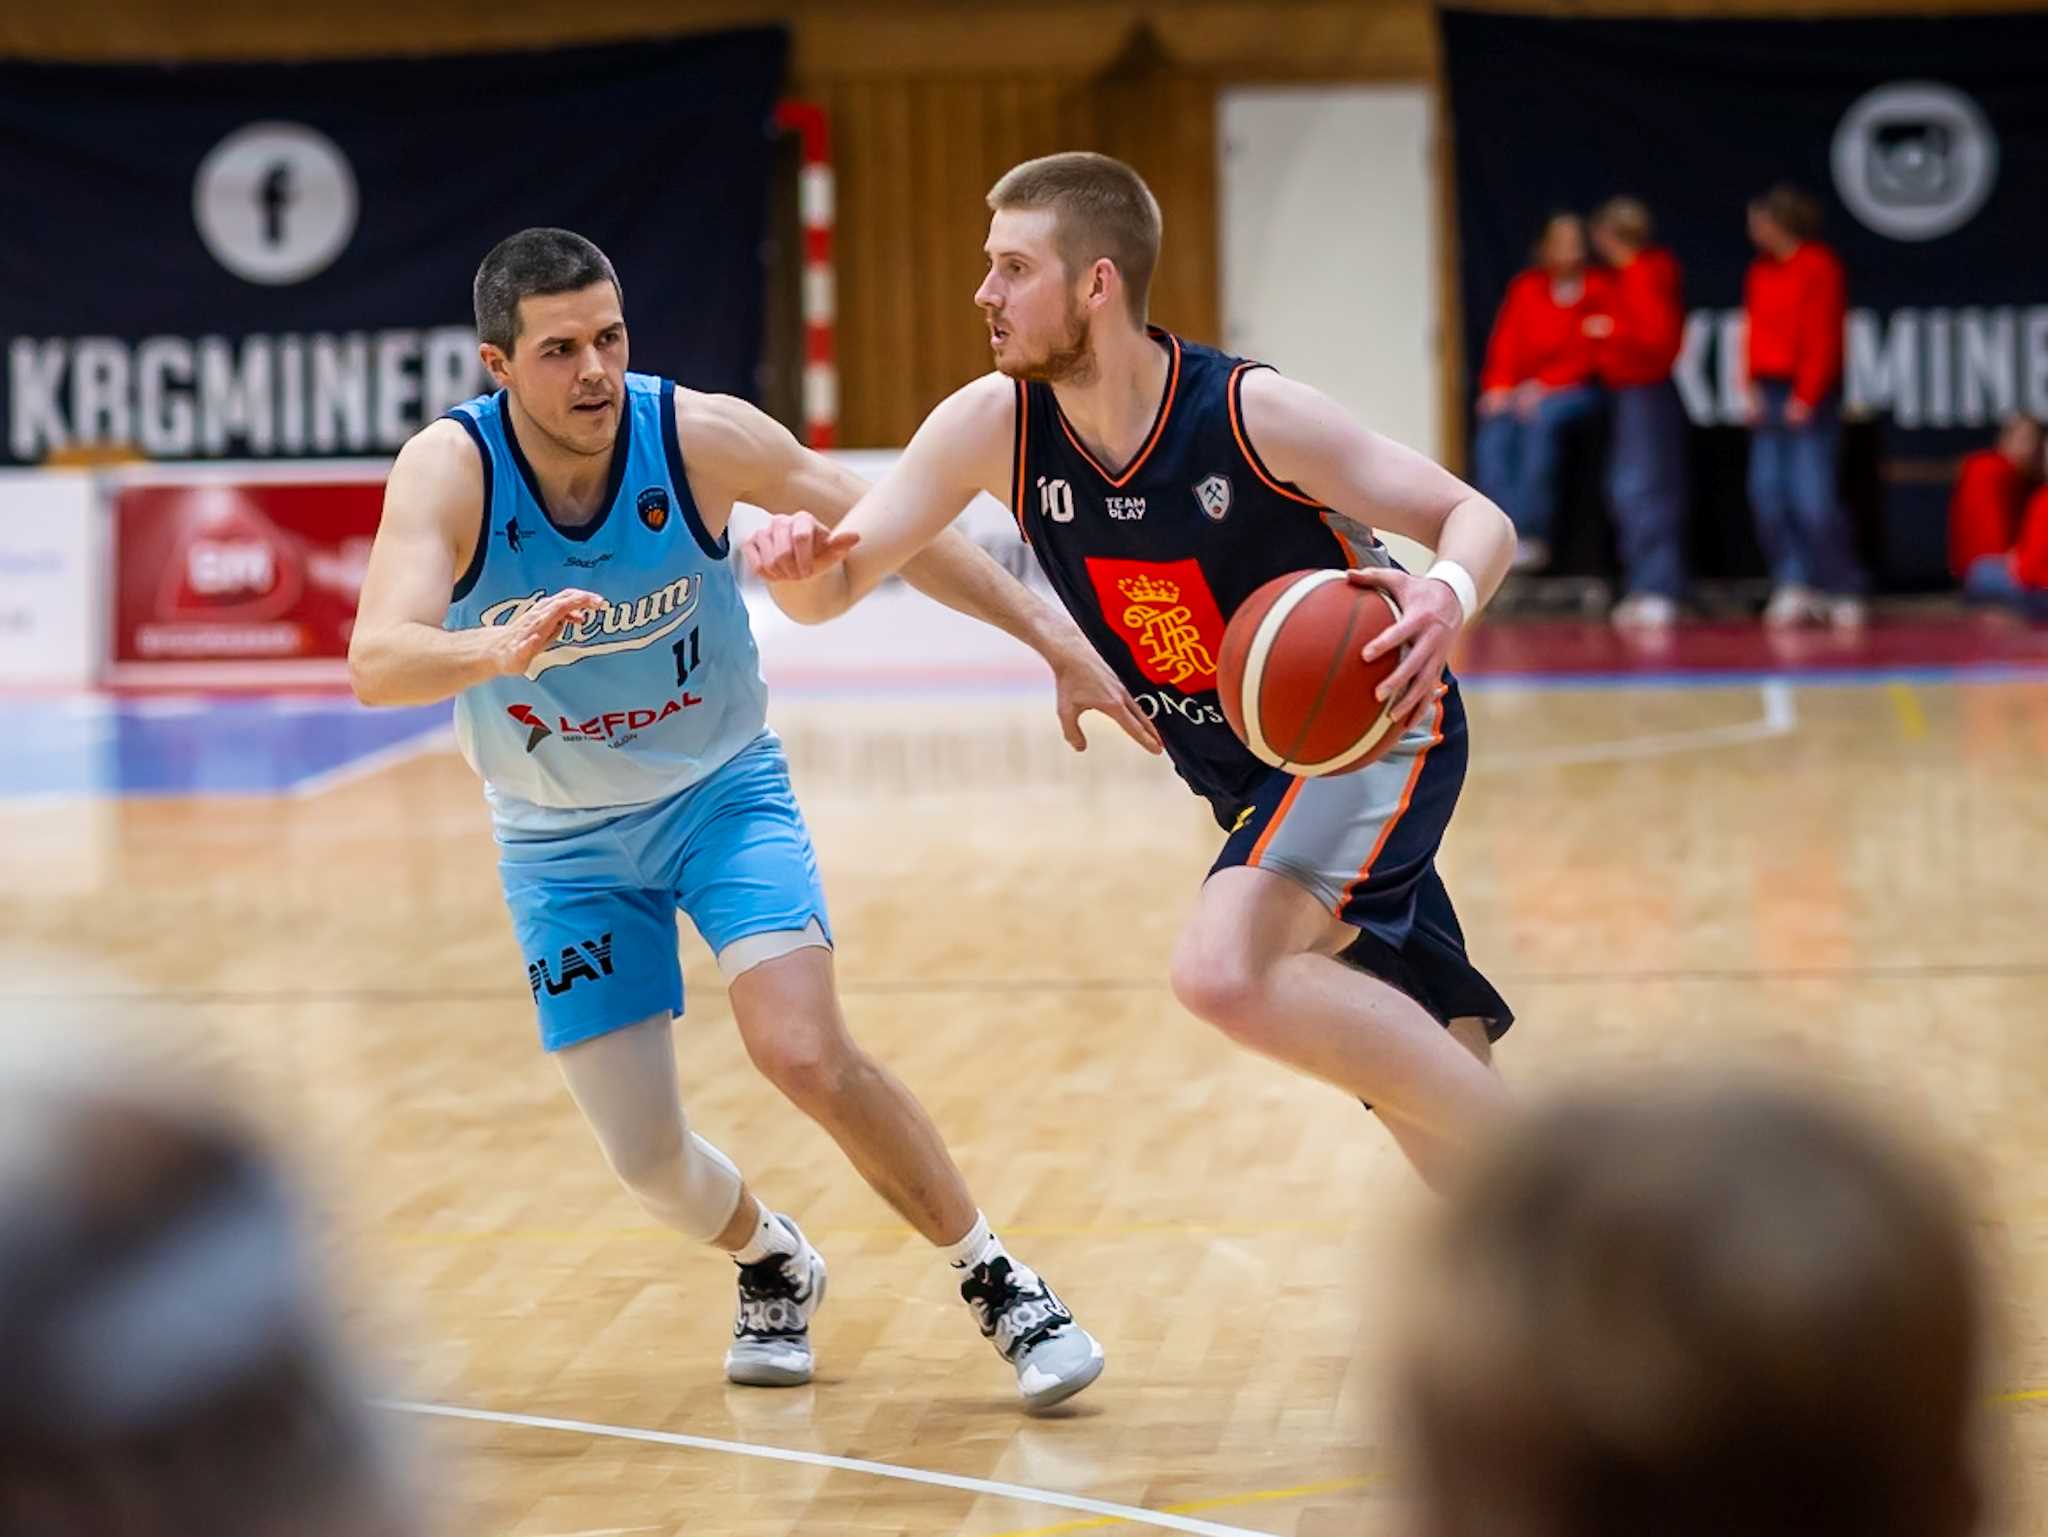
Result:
1101,208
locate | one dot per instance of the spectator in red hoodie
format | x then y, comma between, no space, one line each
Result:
1795,296
1646,468
1538,383
1991,490
2017,578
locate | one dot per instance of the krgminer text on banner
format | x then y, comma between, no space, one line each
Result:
274,261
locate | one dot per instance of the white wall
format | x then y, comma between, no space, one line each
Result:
1329,247
52,578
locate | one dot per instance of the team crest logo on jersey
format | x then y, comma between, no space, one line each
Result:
1212,495
1167,616
653,505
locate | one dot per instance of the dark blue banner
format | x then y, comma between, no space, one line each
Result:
1927,143
275,260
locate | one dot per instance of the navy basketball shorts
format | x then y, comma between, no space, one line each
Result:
1364,845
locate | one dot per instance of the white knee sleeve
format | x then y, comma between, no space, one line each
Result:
711,1188
625,1085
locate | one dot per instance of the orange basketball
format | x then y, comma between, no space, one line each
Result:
1292,682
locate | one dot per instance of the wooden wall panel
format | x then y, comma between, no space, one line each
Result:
916,159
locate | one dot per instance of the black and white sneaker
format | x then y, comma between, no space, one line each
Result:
771,1336
1031,1329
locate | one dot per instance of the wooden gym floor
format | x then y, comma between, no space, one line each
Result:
1843,878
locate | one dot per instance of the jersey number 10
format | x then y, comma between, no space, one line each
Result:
1055,500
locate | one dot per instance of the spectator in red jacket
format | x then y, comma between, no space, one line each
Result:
1991,489
1539,383
1637,344
2017,578
1795,298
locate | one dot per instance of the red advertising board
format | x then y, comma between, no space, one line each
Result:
262,571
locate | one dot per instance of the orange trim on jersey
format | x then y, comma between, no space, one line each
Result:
1436,729
1244,442
1017,474
1118,482
1350,555
1272,827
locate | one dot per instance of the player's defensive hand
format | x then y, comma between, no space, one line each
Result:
1429,618
795,547
1086,683
541,626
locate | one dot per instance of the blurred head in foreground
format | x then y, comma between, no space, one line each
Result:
166,1361
1732,1310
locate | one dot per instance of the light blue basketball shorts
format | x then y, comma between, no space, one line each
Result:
595,910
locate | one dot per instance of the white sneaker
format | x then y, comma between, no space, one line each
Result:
771,1336
1790,607
1031,1329
1645,611
1847,613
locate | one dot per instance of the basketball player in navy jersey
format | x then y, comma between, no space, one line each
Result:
1159,482
554,556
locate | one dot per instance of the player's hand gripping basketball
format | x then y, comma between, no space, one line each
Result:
795,548
541,626
1430,620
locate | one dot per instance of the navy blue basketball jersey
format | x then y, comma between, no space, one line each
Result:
1152,560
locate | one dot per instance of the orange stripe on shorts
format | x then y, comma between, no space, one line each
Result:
1436,729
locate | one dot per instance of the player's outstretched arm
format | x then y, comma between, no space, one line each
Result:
1305,437
758,461
398,652
962,447
828,566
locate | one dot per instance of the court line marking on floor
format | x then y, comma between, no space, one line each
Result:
1779,717
408,997
414,1238
441,734
1135,1515
1217,1502
1906,705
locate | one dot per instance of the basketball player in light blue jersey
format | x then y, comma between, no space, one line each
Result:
554,555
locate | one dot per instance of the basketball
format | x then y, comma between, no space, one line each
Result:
1291,679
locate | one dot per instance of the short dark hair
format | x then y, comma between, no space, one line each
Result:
1101,207
534,261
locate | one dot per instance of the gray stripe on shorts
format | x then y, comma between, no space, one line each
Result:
1335,823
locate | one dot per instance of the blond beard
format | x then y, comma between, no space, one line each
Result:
1073,363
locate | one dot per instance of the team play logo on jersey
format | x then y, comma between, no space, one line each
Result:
1212,495
653,506
1166,615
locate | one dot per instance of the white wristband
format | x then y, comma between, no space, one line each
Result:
1459,580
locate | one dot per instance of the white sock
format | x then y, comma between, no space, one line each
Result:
772,1236
977,1248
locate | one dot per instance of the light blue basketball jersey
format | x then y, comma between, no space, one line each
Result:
636,703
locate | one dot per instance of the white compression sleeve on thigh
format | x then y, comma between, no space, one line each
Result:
625,1085
745,954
